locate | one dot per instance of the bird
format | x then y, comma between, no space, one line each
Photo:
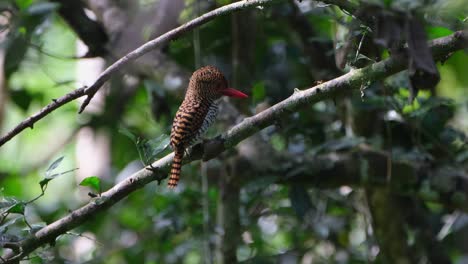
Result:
197,113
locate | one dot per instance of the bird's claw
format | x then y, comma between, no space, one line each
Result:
151,168
154,170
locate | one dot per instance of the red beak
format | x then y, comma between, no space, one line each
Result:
233,93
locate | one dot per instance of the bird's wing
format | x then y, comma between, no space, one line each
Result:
187,122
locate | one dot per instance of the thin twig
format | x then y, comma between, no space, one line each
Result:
29,122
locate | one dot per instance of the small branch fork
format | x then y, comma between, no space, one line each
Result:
127,59
441,49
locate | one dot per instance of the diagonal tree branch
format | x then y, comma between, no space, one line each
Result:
29,122
127,59
441,48
135,54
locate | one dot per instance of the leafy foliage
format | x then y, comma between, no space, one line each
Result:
10,234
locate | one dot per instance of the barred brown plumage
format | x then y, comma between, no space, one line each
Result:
196,113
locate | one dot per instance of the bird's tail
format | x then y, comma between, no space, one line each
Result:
175,169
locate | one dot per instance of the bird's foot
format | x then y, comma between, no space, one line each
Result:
154,170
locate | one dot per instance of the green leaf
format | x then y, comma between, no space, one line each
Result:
22,99
16,50
11,205
159,144
411,107
437,32
125,131
18,208
44,182
93,181
258,91
23,4
149,149
278,142
404,93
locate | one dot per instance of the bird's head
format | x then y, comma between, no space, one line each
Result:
209,82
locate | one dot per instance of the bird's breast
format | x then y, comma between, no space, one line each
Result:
191,122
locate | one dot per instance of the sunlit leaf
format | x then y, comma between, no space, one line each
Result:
437,32
403,92
93,181
411,107
23,4
278,142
